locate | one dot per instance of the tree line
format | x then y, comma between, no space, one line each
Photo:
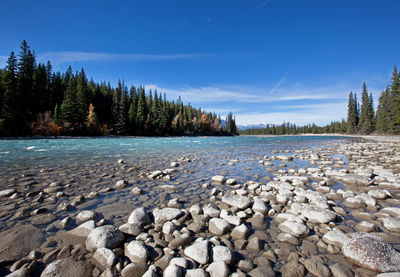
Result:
361,116
34,100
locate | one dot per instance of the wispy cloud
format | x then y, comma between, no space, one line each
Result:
220,94
263,3
79,56
320,114
281,81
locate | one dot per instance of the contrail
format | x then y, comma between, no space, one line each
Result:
281,81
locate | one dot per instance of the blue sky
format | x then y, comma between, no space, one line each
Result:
267,61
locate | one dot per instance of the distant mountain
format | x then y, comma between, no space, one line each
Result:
251,126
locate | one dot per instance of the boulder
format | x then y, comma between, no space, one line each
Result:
107,236
294,228
84,229
218,269
372,252
238,201
218,226
139,216
105,257
317,214
198,252
136,252
68,267
222,254
166,214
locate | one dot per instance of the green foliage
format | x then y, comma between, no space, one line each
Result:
34,99
367,117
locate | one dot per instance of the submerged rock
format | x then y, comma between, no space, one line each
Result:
372,252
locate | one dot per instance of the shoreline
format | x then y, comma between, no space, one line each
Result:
301,219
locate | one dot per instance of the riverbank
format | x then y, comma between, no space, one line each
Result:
301,218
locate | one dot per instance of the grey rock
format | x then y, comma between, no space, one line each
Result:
218,269
218,179
105,257
222,253
238,201
166,214
262,271
198,252
293,269
197,272
130,229
317,268
134,270
84,216
68,268
7,192
136,252
106,236
218,226
294,228
372,252
139,216
173,271
317,214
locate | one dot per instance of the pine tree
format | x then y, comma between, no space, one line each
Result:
10,101
82,94
69,108
26,67
132,112
351,115
141,111
395,94
366,124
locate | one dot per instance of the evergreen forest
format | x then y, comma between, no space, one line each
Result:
35,101
361,116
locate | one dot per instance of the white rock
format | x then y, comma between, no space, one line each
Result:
318,215
121,184
105,257
231,182
366,199
137,191
151,272
136,252
84,229
173,271
260,206
182,262
218,269
232,219
218,226
7,192
198,252
238,201
197,272
391,224
288,217
335,237
154,174
379,194
211,211
218,179
139,216
195,210
395,211
222,254
84,216
168,228
166,214
130,229
240,232
105,236
294,228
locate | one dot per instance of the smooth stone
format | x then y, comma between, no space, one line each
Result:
211,211
254,244
218,269
134,270
335,237
182,262
288,238
7,192
390,223
365,226
197,272
238,201
130,229
218,226
240,232
105,257
173,270
372,252
136,252
353,203
84,216
317,268
198,252
151,272
139,216
107,236
84,229
294,228
222,254
121,184
218,179
166,214
293,269
262,271
260,206
17,242
317,214
339,270
181,240
168,228
68,268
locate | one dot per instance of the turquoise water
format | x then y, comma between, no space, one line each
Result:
31,152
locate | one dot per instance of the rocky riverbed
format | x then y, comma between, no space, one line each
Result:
331,210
